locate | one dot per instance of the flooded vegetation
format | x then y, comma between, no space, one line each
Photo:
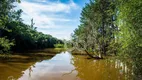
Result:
65,66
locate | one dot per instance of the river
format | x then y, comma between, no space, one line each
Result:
65,66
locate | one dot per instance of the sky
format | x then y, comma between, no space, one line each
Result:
58,18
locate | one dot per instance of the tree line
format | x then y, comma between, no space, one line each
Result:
112,27
15,35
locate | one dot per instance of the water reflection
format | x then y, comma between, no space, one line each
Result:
58,68
13,70
65,66
108,69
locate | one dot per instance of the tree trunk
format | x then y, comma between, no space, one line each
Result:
95,57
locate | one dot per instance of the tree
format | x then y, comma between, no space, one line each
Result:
97,28
112,26
6,7
19,36
130,24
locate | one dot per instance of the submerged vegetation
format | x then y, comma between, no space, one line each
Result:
112,27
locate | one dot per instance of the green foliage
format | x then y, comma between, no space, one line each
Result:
5,45
130,24
25,36
113,26
59,45
113,47
97,28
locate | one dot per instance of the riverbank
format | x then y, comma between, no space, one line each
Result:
32,54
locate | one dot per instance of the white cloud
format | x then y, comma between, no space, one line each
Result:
48,7
64,34
48,15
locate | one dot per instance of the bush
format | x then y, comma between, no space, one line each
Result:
59,45
5,45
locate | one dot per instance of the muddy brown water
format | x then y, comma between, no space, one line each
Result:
65,66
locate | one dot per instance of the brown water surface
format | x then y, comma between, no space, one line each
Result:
64,66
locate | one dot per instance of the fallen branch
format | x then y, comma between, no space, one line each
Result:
95,57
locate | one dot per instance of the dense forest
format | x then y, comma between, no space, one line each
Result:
112,27
15,35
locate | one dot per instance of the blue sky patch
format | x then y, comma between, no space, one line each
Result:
56,17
